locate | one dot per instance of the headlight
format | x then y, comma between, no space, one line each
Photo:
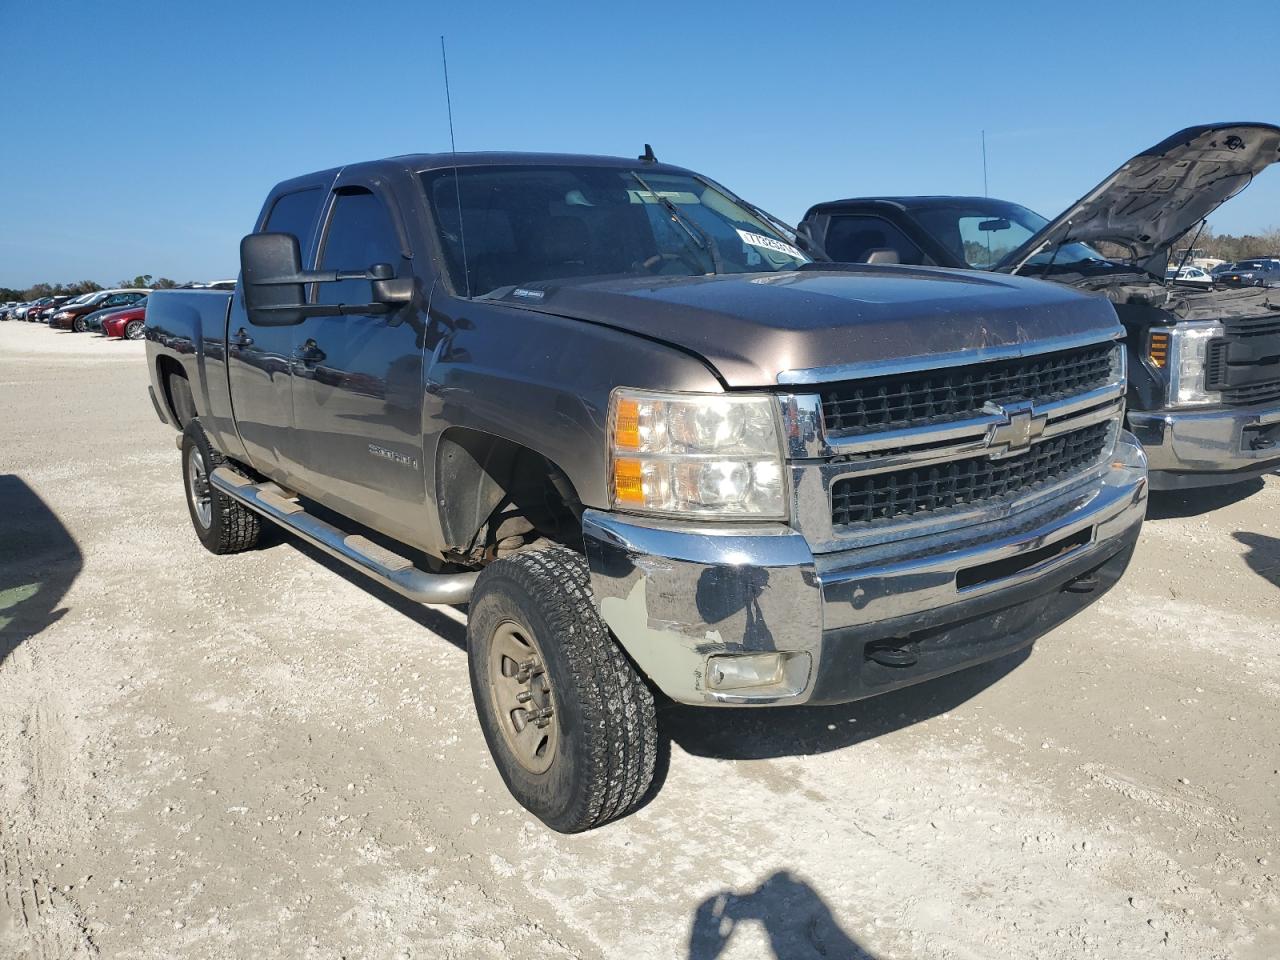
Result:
706,455
1188,344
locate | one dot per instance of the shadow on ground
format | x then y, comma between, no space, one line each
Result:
39,560
729,734
1263,557
799,731
796,920
1177,504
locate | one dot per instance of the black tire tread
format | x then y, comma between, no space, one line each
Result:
622,736
236,528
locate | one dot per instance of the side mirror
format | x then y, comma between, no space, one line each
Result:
271,271
275,283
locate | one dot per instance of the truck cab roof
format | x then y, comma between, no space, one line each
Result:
423,162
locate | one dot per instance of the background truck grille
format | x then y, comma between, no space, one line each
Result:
1265,380
960,483
936,396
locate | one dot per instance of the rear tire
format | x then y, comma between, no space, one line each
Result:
221,524
536,643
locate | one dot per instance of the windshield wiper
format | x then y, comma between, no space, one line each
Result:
700,238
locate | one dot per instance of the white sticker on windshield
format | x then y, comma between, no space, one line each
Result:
768,243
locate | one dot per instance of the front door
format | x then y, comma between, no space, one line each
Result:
357,379
259,358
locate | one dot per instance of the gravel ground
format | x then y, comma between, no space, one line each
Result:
264,756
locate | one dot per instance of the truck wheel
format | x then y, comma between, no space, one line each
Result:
222,524
568,720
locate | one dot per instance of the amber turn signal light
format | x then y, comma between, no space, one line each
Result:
1158,350
626,425
628,482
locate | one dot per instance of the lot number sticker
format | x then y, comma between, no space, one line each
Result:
768,243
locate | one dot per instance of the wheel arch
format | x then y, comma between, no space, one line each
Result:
491,489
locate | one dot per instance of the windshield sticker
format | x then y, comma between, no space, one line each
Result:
656,196
768,243
526,294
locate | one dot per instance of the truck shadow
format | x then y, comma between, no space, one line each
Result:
39,560
1179,504
1263,557
728,734
760,734
794,917
430,618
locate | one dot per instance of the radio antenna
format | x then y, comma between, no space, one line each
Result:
453,149
985,191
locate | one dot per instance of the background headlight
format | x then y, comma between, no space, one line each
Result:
1188,345
705,455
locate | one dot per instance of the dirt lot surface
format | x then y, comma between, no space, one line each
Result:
263,756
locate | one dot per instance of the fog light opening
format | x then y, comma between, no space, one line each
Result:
735,672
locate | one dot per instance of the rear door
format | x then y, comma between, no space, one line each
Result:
260,358
357,378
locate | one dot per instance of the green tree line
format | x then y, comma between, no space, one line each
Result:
35,291
1228,247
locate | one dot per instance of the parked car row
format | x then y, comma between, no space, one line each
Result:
119,313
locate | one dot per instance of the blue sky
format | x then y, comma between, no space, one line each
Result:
142,136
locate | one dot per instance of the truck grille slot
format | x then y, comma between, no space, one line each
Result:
937,396
960,483
1254,393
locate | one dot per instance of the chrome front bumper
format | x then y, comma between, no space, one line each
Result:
1188,448
844,625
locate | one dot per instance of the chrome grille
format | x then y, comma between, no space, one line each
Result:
858,407
976,480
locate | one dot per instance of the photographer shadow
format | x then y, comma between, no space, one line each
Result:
39,560
797,921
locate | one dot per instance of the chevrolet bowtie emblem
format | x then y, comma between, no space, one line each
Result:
1013,433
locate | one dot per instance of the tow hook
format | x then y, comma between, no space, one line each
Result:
1262,443
1086,583
893,653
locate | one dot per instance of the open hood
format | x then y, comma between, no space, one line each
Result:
1163,192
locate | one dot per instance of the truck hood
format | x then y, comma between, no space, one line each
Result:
1160,194
818,323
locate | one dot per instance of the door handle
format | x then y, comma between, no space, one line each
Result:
309,354
241,339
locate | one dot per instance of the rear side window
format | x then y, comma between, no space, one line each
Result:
360,234
296,213
852,240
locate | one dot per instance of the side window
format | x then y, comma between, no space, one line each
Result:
852,239
296,213
359,234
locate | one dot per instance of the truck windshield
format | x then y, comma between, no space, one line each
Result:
523,225
983,232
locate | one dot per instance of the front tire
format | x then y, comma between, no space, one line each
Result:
568,720
78,325
133,330
222,524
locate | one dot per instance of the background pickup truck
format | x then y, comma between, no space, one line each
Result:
1204,394
658,451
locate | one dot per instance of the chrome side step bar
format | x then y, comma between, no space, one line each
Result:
388,568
